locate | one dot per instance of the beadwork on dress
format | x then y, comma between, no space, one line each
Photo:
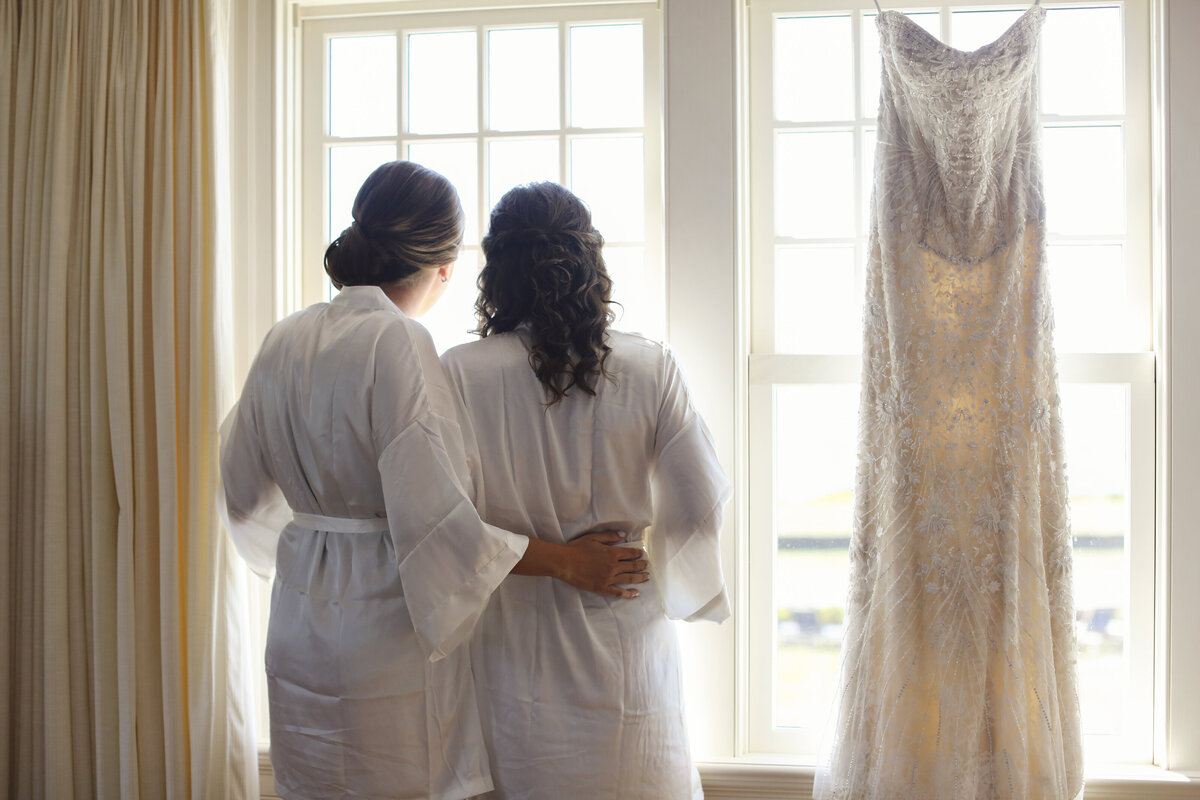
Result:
958,664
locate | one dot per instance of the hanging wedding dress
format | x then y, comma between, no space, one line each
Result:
958,674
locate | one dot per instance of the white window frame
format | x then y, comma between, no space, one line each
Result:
768,369
318,24
706,151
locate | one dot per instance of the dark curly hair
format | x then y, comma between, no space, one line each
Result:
407,218
543,267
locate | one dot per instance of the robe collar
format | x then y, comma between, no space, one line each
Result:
370,298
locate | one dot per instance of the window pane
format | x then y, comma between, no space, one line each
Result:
970,30
814,184
349,166
512,162
639,311
1096,425
871,65
1083,69
457,161
869,140
1084,171
818,300
806,47
815,432
606,76
1091,304
607,174
523,79
362,86
452,317
442,83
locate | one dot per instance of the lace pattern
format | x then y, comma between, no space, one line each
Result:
958,673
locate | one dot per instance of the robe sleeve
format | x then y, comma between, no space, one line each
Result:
690,492
250,503
450,560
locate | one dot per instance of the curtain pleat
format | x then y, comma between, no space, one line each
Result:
121,618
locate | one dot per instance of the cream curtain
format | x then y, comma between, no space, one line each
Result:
121,662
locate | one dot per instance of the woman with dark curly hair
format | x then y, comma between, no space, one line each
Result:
345,475
582,427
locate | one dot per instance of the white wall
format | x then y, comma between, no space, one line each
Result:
1181,370
702,260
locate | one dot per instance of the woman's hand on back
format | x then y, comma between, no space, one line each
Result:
597,563
592,562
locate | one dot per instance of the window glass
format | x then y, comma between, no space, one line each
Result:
523,79
607,173
362,86
442,82
806,47
606,76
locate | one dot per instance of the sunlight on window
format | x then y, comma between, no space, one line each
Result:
814,496
867,141
601,155
1084,179
523,79
636,312
1083,69
816,198
808,46
362,86
1089,287
1096,427
512,162
442,82
607,173
606,76
817,300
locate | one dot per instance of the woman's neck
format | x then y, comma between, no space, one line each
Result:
413,297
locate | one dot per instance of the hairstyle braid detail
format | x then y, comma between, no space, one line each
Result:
544,269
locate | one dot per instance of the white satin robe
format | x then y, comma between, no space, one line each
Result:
347,421
580,693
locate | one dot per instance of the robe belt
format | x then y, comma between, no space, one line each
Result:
316,522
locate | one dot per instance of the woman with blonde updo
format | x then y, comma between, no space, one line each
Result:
583,427
345,476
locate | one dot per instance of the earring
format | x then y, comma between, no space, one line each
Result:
445,278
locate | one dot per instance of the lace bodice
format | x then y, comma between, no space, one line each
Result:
961,129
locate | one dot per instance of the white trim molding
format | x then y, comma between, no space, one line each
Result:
266,774
741,780
745,781
760,781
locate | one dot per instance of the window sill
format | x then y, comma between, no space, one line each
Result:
751,779
760,779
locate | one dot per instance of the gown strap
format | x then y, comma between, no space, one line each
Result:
317,522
